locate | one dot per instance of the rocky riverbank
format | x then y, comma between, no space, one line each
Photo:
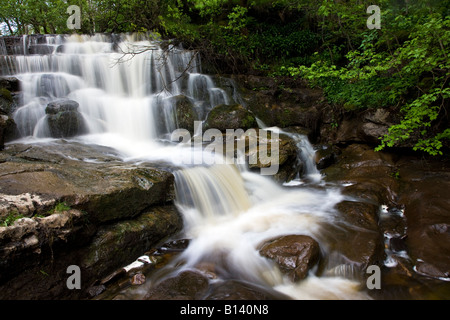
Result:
65,204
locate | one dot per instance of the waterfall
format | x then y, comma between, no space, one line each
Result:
121,83
123,87
229,214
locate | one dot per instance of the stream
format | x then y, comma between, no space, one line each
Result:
125,88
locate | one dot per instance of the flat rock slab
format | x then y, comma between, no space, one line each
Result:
33,178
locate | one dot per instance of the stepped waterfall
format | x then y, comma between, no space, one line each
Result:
125,90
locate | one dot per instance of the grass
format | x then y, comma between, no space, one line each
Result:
60,207
10,218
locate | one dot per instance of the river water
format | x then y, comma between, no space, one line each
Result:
124,86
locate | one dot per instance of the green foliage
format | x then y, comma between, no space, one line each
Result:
405,65
59,207
37,16
10,218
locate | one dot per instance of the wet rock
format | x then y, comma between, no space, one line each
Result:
26,242
96,290
188,285
7,127
264,150
116,244
369,181
7,103
326,156
184,113
358,241
430,270
295,254
138,279
238,290
64,120
224,117
360,214
426,203
178,245
9,83
368,175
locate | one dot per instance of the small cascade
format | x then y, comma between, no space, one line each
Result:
215,191
305,151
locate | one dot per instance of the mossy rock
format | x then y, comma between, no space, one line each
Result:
185,113
224,117
6,102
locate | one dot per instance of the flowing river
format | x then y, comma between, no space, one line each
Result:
125,87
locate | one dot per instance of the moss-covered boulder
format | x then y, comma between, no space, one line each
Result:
224,117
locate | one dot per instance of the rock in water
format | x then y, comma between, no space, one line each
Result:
295,254
64,120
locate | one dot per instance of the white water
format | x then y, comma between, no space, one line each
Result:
229,212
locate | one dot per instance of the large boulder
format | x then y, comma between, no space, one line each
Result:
64,120
223,117
264,149
369,181
427,212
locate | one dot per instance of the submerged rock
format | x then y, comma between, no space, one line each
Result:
239,290
187,285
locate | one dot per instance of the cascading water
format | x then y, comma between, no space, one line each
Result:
126,101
